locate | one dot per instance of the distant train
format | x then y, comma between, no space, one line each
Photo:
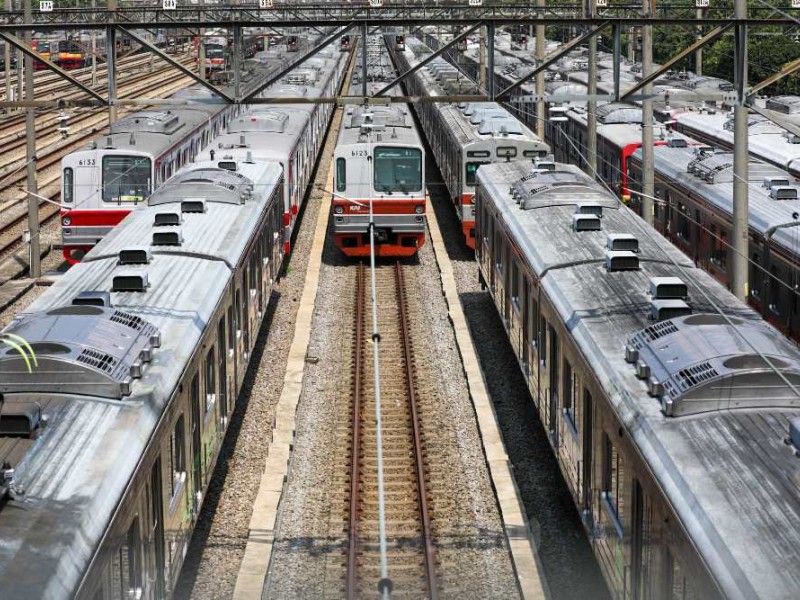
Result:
672,408
463,137
67,54
379,167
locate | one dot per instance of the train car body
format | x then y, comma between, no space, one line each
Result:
463,137
142,350
694,187
379,168
667,402
291,134
104,181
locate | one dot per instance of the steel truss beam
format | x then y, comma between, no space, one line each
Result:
248,99
551,58
17,43
433,56
176,64
706,39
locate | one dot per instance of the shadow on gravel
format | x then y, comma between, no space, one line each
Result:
202,530
567,559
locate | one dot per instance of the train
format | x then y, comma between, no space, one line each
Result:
102,182
673,409
138,355
463,137
67,54
290,134
379,170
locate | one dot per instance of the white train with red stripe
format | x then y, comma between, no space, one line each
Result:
379,166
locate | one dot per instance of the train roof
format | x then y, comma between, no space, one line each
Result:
77,469
711,178
725,469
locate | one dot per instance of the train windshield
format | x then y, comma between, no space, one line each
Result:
472,170
126,178
397,169
215,51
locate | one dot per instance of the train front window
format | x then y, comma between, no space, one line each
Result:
126,178
472,169
397,169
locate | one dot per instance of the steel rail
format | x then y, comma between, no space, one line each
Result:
352,558
427,540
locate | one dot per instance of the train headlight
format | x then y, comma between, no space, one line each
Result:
66,221
419,209
472,199
338,209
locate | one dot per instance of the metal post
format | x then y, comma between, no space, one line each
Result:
237,63
7,58
648,184
739,283
698,54
540,110
591,113
631,44
35,268
490,61
201,47
94,48
20,68
111,66
617,33
482,60
364,33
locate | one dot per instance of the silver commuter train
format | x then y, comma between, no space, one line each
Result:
676,437
141,351
459,142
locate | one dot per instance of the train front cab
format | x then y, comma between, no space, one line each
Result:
393,183
642,548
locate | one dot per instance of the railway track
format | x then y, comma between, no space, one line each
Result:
408,521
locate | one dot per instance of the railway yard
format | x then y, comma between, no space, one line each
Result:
334,339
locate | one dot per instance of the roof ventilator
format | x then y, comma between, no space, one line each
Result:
171,237
779,192
193,206
668,288
582,222
167,219
589,208
668,308
621,260
622,241
769,182
92,298
134,256
130,281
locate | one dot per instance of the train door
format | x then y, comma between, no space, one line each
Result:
637,539
197,443
223,374
554,360
85,181
587,453
157,530
525,333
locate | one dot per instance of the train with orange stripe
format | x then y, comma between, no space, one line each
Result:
379,171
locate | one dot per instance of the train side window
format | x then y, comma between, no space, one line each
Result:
755,276
719,254
177,456
69,185
676,585
543,341
683,222
613,483
130,563
571,407
211,380
341,175
534,322
774,291
515,285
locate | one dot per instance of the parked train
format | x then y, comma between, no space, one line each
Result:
463,137
116,404
67,54
291,134
694,208
379,169
102,183
671,407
